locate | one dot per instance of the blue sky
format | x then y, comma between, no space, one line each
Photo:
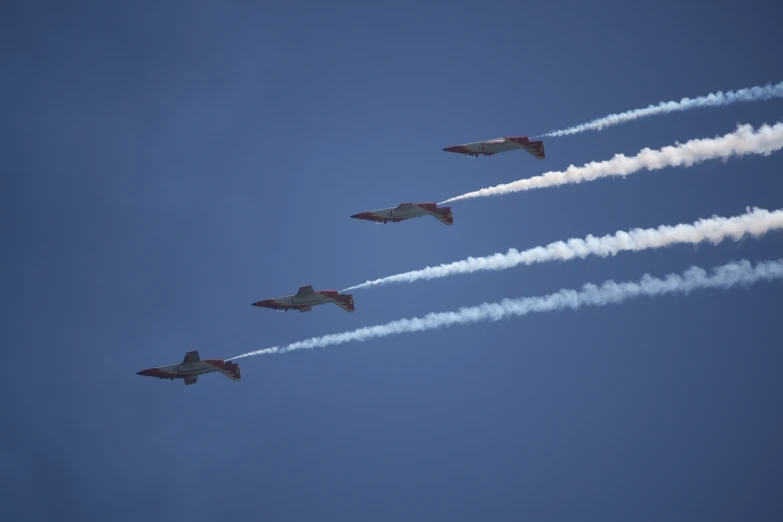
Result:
167,164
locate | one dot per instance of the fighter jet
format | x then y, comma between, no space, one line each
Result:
408,211
193,366
490,147
306,298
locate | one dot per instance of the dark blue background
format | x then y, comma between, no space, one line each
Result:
165,164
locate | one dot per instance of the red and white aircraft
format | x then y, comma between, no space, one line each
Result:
408,211
193,366
490,147
306,298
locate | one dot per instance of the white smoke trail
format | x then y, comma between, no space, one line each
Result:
717,99
727,276
766,140
755,222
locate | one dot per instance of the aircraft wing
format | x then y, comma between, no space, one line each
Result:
402,207
191,379
467,150
379,216
305,290
274,304
191,357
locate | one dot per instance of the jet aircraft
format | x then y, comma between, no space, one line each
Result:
490,147
306,298
193,366
408,211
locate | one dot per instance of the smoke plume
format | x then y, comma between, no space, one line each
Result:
755,223
766,140
738,273
751,94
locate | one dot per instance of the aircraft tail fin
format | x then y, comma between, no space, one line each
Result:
443,215
536,148
345,301
231,370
